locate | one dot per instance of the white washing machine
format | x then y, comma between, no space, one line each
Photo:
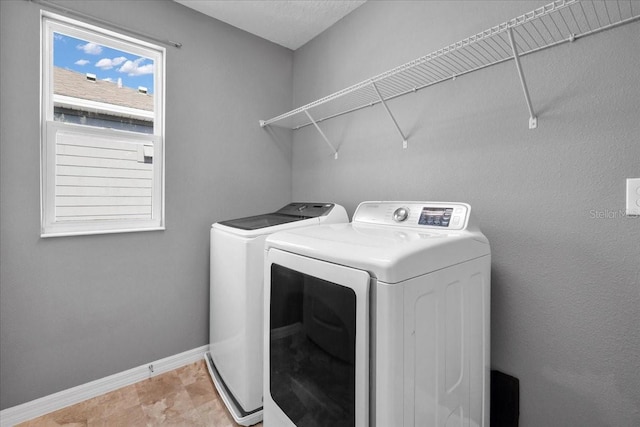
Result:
380,322
236,300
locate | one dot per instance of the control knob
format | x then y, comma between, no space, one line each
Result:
400,214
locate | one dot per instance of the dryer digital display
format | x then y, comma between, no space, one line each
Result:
439,217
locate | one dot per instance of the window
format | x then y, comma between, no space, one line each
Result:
102,139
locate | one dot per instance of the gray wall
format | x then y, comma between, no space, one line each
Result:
76,309
566,286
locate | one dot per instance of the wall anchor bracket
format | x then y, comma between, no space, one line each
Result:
335,152
533,120
384,104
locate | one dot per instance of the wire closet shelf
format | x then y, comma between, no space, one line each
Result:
556,23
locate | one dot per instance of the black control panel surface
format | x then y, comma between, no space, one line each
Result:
291,213
309,210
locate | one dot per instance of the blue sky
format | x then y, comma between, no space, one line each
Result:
106,63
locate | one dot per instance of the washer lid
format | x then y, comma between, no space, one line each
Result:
261,221
289,213
391,254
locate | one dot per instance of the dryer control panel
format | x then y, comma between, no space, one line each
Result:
433,215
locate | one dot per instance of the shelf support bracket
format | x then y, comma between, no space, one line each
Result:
533,120
335,152
384,104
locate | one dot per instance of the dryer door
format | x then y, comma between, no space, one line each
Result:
316,342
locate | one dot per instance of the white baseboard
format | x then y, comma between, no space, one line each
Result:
64,398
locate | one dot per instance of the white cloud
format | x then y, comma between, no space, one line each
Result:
107,64
90,48
104,63
108,79
82,62
133,68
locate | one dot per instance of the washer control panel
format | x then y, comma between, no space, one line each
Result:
310,210
434,215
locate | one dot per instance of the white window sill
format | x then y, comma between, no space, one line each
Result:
91,232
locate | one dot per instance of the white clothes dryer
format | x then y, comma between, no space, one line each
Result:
380,322
234,359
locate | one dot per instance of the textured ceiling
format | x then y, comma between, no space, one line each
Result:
288,23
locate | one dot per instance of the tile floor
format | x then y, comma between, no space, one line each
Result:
183,397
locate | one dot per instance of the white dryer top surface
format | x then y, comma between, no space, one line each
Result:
392,250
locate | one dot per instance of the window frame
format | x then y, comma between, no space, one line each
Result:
50,227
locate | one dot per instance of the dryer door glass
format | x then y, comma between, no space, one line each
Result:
312,349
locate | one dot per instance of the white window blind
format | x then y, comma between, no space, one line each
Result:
102,177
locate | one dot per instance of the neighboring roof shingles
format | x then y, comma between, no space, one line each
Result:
76,85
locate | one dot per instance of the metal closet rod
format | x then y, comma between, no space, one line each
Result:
85,16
